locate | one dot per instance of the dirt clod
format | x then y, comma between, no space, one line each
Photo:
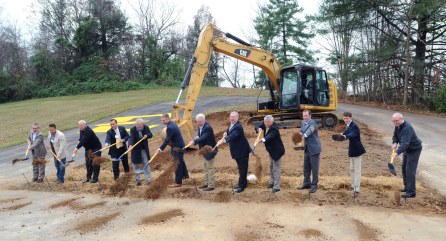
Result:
296,138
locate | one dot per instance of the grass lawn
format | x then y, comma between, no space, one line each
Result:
16,117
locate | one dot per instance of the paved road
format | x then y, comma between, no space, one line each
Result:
430,129
12,173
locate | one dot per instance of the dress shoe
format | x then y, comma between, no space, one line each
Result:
34,179
403,190
148,183
86,180
304,187
94,181
138,183
39,180
239,190
274,190
313,189
270,185
355,194
208,189
409,195
59,182
175,185
204,186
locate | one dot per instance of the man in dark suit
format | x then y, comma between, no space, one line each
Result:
89,140
274,146
239,148
140,153
408,143
312,152
117,134
355,151
174,139
206,137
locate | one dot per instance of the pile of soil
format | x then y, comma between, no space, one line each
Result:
378,186
15,207
162,217
95,223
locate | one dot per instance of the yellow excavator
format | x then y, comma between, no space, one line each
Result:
293,88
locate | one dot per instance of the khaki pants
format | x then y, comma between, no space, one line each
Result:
274,170
209,172
355,172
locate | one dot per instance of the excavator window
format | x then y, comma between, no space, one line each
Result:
290,83
322,95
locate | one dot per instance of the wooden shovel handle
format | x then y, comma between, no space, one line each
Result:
27,150
106,147
258,137
55,156
133,146
153,157
391,158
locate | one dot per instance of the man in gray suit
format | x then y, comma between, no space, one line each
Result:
37,147
312,152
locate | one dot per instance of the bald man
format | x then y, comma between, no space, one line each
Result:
406,142
88,140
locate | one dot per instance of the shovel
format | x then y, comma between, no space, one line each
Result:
70,161
177,149
26,156
104,148
257,140
120,157
390,164
55,156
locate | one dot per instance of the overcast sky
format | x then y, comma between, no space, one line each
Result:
234,16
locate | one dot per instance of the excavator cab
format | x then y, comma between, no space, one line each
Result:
303,85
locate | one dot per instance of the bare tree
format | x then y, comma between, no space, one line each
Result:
230,71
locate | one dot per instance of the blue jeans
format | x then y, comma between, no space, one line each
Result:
60,169
146,168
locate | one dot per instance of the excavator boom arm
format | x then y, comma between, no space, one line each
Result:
212,39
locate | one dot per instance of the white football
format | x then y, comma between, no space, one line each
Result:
252,178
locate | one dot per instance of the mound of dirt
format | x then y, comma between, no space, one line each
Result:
121,185
15,207
7,200
162,217
159,185
365,232
222,197
95,223
311,233
188,192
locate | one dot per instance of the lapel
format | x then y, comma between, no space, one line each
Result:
202,128
230,130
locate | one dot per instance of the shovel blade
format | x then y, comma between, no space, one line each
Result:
391,168
299,148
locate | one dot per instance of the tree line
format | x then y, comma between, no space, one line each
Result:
389,51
